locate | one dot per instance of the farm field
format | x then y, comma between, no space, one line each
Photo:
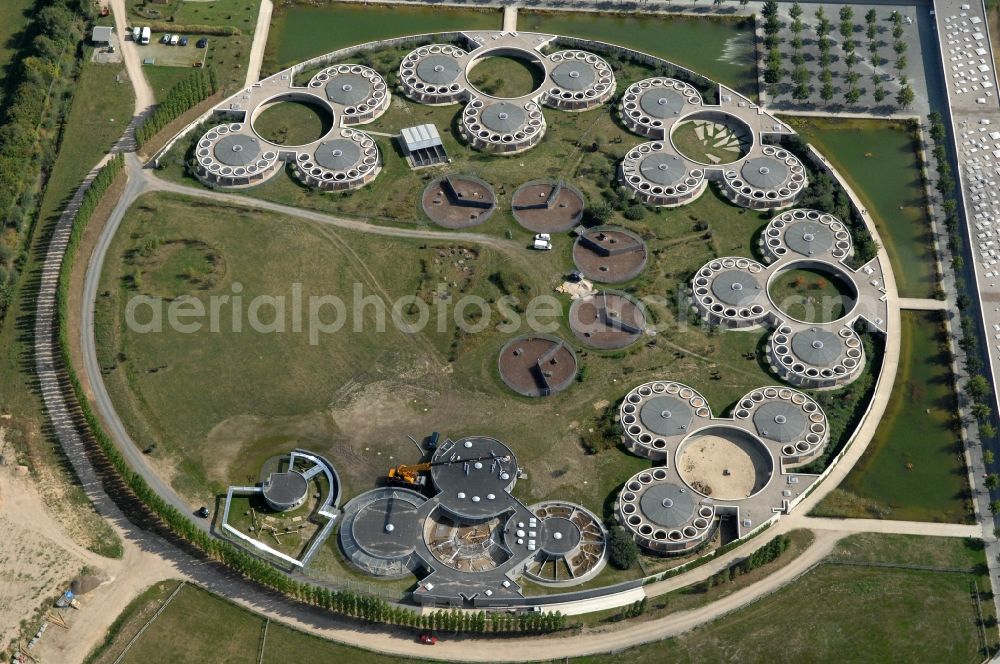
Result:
870,151
301,32
924,616
913,469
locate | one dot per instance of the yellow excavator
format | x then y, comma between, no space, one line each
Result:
413,475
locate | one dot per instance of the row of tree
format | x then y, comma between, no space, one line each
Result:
36,93
184,96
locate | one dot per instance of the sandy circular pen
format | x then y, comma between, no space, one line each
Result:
360,92
787,417
732,291
650,104
348,160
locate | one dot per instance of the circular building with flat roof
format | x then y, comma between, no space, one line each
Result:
571,543
731,292
504,127
651,104
537,365
656,416
358,92
472,477
787,418
348,161
771,178
805,233
547,206
610,254
434,74
578,81
285,491
816,356
607,320
662,516
380,531
659,177
226,156
458,201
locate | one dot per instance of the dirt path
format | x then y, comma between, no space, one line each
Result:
144,97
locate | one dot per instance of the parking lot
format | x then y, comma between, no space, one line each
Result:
173,56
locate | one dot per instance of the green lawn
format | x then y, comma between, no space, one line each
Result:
879,160
719,48
14,16
913,468
809,295
502,76
299,32
293,123
162,79
708,142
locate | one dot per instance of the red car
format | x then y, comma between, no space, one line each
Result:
428,639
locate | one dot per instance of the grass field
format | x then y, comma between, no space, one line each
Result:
502,76
810,295
881,151
293,123
913,467
720,49
301,32
14,16
835,612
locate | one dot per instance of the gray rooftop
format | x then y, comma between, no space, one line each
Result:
667,415
237,150
438,69
818,347
503,117
559,535
809,238
575,75
285,488
764,172
736,287
473,470
387,527
101,34
348,89
781,421
662,168
661,103
339,154
420,137
667,505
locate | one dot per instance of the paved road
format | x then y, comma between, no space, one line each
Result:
259,42
923,304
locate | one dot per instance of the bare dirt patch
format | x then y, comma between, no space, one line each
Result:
723,467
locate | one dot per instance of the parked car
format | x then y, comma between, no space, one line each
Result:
428,639
202,512
165,39
202,43
184,41
174,39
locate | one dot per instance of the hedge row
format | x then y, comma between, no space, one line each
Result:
182,97
342,602
35,95
193,29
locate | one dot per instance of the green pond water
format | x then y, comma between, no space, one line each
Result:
722,50
878,159
299,32
912,465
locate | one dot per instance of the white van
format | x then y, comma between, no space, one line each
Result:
146,33
136,34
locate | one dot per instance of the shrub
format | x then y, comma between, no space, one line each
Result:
622,550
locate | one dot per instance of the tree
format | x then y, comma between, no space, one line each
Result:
801,92
995,506
897,31
846,13
899,47
987,457
905,97
770,9
853,95
879,94
987,431
871,17
981,411
622,550
796,11
826,92
992,481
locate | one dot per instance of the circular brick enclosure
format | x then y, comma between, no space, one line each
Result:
458,201
546,206
607,320
610,254
537,365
